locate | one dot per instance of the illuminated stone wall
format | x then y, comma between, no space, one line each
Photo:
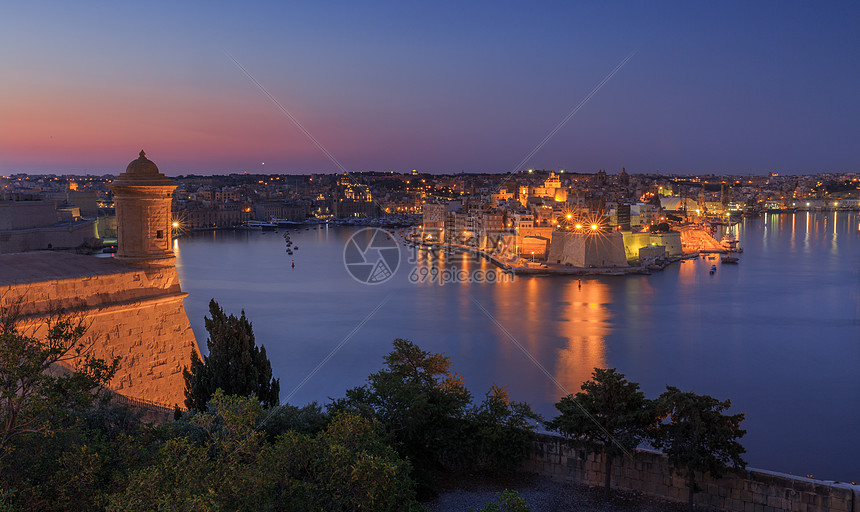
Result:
634,241
578,250
137,314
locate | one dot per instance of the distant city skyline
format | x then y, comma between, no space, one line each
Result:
728,88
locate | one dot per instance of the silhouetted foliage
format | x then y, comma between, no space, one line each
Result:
41,375
308,419
662,227
506,501
610,414
345,467
235,364
698,436
427,413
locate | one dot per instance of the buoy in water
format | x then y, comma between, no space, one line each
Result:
294,263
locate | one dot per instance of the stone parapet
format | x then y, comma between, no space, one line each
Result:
135,314
649,472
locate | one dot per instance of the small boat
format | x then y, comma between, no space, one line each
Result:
713,268
261,225
729,259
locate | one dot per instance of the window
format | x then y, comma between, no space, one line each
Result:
159,234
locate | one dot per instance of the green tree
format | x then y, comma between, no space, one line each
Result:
610,415
506,501
87,456
662,227
697,436
229,466
41,375
235,364
420,403
499,432
346,467
429,418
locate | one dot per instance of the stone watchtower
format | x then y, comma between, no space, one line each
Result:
134,301
142,197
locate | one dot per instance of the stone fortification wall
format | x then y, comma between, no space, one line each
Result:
58,236
27,214
136,314
107,226
634,241
566,247
586,250
649,472
533,247
605,250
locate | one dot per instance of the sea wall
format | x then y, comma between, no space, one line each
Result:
649,472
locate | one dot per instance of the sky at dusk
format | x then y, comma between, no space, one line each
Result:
722,87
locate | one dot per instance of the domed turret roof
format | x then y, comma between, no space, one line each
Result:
142,171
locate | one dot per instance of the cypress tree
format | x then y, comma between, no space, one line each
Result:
235,364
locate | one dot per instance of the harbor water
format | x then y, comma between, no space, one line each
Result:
778,333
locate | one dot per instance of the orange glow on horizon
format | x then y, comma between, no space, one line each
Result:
106,129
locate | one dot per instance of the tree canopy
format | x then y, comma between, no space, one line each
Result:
234,364
41,374
696,435
429,417
227,464
610,414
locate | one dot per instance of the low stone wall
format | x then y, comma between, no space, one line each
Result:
649,472
150,412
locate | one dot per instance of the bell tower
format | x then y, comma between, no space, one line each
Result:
142,198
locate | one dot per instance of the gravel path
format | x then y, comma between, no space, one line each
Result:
544,495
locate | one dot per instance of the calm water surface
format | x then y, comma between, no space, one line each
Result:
779,333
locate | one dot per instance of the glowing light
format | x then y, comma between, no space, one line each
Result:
175,224
569,216
578,226
594,227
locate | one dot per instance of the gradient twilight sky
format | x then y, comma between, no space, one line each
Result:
723,87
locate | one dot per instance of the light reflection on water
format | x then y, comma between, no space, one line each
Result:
779,333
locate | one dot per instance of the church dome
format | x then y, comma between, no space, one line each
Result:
145,171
